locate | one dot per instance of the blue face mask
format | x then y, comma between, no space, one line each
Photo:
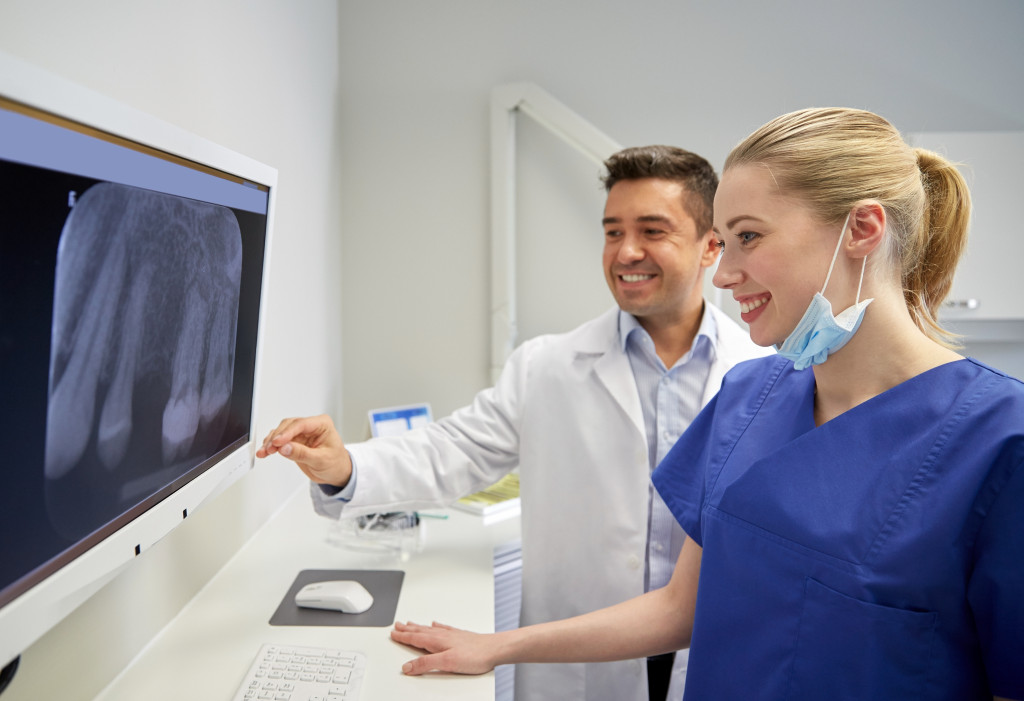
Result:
819,334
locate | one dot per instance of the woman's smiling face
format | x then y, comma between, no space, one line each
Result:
775,252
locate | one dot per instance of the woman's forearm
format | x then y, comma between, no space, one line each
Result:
659,621
647,625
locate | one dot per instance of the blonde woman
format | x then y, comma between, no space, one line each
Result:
855,505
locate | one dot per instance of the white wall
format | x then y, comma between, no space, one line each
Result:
415,78
260,77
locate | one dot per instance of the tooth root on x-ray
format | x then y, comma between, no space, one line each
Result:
144,328
116,417
213,404
65,449
72,388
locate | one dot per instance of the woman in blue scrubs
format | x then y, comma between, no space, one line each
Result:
855,504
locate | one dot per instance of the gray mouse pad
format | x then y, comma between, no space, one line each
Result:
383,585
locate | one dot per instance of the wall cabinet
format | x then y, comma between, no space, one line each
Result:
989,284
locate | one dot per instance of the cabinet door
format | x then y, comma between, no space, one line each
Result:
989,283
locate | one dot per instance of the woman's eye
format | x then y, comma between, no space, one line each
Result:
747,237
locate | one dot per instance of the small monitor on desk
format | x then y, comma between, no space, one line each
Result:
395,420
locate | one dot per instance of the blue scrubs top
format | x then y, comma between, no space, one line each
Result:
878,556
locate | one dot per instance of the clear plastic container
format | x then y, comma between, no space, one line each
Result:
396,535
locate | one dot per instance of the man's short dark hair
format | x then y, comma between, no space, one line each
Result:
669,163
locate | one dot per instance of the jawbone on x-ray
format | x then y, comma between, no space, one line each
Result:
143,343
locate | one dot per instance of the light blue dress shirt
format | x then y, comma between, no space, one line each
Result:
670,399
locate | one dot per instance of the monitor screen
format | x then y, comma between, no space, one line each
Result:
131,281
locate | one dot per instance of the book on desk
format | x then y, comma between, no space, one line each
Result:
495,503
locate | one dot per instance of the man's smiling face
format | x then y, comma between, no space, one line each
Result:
653,254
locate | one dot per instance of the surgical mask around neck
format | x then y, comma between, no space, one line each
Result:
818,333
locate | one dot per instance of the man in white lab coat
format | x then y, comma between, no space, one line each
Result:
585,416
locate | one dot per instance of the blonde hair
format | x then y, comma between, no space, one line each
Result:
833,158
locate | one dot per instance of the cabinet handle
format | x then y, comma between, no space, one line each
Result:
961,304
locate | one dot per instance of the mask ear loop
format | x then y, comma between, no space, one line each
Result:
835,255
863,265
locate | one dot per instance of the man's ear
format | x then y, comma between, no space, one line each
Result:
710,251
867,228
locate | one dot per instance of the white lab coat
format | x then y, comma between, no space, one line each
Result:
566,412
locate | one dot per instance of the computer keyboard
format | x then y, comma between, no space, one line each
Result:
291,673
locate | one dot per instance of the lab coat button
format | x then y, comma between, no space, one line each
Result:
633,562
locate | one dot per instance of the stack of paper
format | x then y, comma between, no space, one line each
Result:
497,502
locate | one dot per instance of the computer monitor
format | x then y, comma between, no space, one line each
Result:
133,266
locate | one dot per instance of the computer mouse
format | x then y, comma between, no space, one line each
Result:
345,595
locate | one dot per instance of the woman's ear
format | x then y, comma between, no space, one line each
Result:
867,227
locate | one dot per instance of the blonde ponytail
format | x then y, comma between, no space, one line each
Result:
928,273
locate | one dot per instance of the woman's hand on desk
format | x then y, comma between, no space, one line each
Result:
314,445
448,649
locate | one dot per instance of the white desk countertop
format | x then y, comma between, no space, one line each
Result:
206,650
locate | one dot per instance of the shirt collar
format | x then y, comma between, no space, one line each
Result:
708,330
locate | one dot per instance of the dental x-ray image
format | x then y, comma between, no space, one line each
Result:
142,348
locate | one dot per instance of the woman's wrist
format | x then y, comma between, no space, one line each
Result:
508,647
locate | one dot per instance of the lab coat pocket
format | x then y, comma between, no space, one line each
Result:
852,649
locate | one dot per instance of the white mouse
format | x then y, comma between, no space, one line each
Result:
343,595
